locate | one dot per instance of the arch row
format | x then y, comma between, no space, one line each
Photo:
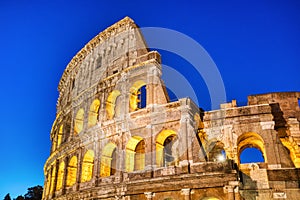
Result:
111,107
216,151
76,169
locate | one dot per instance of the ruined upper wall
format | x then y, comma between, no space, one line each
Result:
288,102
114,49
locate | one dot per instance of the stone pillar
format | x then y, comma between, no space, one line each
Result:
149,195
79,168
149,148
96,162
64,181
236,193
186,192
150,94
232,190
183,141
121,155
228,189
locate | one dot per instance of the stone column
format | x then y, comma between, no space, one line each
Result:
96,162
149,195
64,181
79,168
232,190
186,192
148,149
121,155
228,189
236,193
183,147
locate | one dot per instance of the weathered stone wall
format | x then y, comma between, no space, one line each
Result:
108,142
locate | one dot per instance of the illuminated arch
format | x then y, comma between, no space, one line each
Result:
60,175
59,135
135,95
210,198
135,154
111,103
48,183
93,113
79,121
250,139
108,160
215,151
53,176
87,166
72,171
294,150
164,142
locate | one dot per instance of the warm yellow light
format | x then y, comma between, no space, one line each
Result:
133,100
111,103
130,154
72,171
209,198
294,149
78,126
160,140
93,113
251,139
106,159
48,183
139,158
59,135
52,187
87,166
60,175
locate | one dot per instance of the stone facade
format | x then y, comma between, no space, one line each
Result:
117,135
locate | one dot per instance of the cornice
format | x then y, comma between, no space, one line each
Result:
118,27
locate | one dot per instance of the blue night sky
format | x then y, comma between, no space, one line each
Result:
255,45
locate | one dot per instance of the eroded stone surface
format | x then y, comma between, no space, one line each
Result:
112,139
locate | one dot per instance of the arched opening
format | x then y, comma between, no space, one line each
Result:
135,154
142,97
254,143
59,136
108,160
48,183
53,176
251,155
209,198
72,171
60,175
164,148
139,158
113,166
87,166
111,103
138,96
78,125
216,152
292,148
93,113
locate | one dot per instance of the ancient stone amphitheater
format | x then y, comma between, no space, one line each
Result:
117,135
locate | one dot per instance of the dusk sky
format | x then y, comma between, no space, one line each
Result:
254,44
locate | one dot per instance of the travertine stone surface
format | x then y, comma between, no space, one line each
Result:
117,135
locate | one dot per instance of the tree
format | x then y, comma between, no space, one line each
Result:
34,193
20,197
7,197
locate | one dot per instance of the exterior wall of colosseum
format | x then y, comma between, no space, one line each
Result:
117,135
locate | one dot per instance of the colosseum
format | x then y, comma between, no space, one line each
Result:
117,135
